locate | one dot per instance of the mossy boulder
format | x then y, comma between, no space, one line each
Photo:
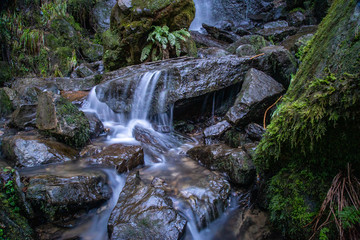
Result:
131,22
6,106
58,117
316,126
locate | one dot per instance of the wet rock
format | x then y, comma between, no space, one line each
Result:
76,97
277,34
279,63
212,52
250,148
24,117
91,51
203,40
217,130
256,41
57,195
290,41
233,161
276,24
245,50
302,42
61,119
258,92
96,126
221,34
186,78
29,149
144,211
123,157
255,131
296,18
245,224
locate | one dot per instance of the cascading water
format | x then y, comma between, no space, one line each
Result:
203,14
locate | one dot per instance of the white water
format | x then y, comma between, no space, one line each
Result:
121,126
203,15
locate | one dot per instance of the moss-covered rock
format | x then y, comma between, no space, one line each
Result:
131,22
13,224
6,106
316,126
60,118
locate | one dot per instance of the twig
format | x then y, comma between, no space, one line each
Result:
257,56
269,109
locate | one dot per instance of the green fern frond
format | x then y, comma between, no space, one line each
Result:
146,52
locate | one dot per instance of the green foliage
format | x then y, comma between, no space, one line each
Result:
323,233
32,40
349,216
161,42
53,9
294,197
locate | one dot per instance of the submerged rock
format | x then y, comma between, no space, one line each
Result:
143,211
60,118
258,92
123,157
57,195
233,161
29,149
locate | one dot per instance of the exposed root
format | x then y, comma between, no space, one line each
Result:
264,123
257,55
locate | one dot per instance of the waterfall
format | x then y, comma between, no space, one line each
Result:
121,125
203,14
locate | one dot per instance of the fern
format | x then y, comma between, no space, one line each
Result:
161,42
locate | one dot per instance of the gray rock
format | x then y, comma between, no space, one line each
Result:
92,52
124,158
96,126
58,194
29,149
203,40
256,41
221,34
101,15
276,24
255,131
6,105
245,50
24,117
279,63
277,34
60,118
143,211
296,18
212,52
83,71
235,162
258,91
217,130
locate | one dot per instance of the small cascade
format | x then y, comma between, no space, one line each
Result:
121,125
203,14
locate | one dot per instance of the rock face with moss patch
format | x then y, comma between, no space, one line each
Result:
317,124
60,118
6,106
131,22
235,162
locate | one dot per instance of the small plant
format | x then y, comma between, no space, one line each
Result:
51,10
161,42
32,40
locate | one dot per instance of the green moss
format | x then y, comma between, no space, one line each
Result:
13,225
73,116
6,106
316,126
294,198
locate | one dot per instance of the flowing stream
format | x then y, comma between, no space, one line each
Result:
167,160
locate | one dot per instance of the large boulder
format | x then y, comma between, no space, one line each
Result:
144,211
57,194
24,117
131,21
235,162
6,106
258,92
60,118
29,149
123,157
